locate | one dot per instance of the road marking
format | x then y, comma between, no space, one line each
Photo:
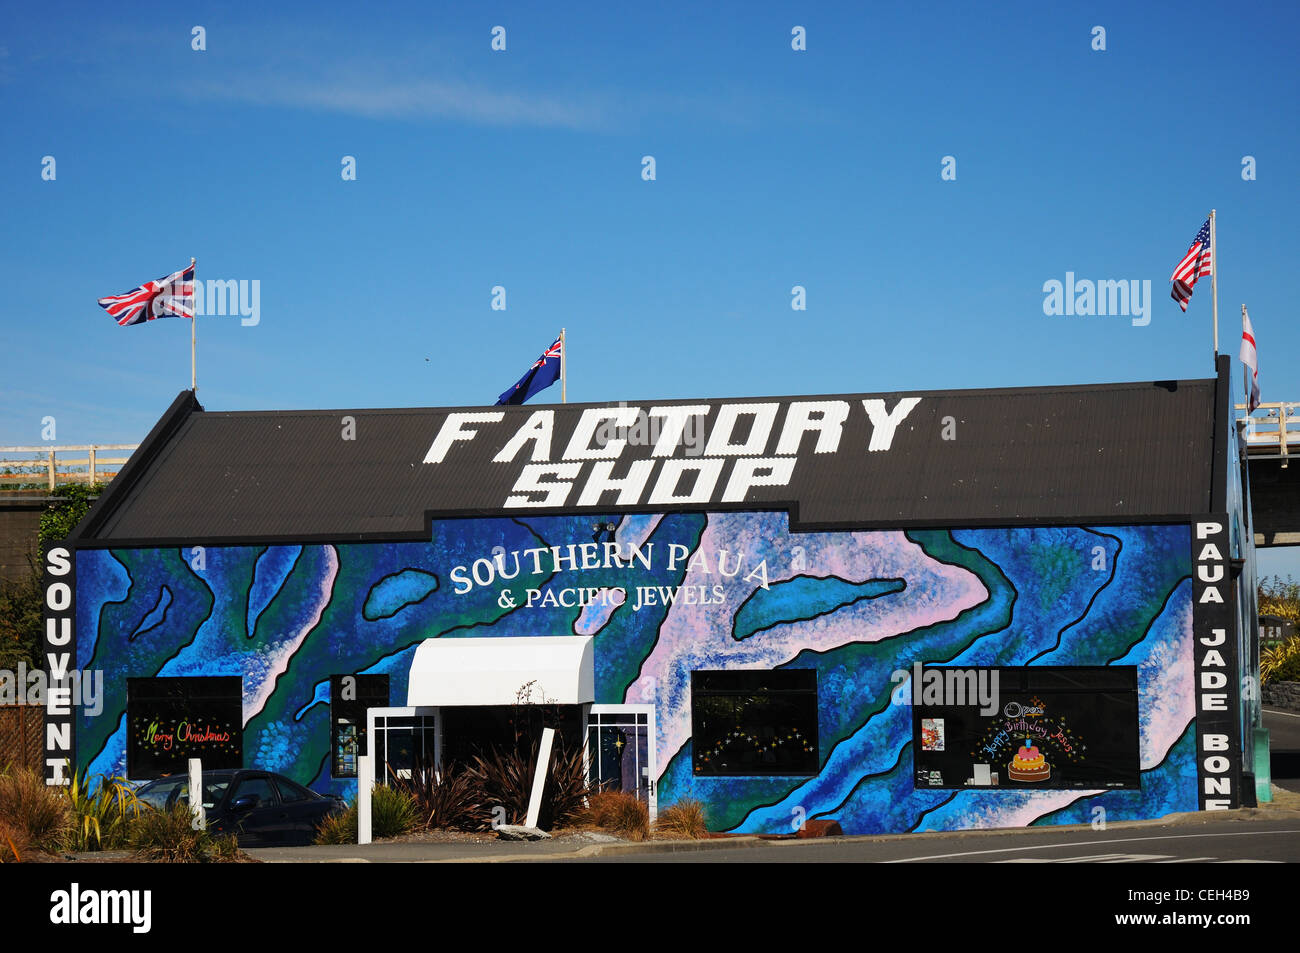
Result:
1092,843
1274,711
1088,859
1248,861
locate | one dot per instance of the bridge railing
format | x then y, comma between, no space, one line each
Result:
1272,432
51,465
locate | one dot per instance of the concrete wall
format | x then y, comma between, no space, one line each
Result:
20,523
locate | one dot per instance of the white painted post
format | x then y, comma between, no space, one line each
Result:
539,777
196,794
365,782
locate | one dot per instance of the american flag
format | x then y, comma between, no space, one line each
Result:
170,297
1194,264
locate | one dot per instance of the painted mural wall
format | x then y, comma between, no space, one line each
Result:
663,596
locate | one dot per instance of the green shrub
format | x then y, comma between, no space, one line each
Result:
100,812
339,828
1281,663
169,837
392,813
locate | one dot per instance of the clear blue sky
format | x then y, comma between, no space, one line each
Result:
522,168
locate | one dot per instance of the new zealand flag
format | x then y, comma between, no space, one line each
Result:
541,375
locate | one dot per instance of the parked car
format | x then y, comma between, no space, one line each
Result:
261,808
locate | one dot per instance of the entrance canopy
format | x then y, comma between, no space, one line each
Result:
492,671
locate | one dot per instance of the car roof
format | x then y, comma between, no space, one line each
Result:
213,775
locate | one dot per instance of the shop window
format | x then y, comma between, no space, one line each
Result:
754,723
1028,728
350,697
170,720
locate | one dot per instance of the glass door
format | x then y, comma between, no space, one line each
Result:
621,750
404,741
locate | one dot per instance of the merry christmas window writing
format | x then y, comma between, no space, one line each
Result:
170,720
1028,728
754,723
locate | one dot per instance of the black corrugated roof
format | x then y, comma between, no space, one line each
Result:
1122,452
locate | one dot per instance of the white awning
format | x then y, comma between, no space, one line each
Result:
454,671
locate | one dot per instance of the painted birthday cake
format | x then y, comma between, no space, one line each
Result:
1029,765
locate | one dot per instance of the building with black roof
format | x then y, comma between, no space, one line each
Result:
919,611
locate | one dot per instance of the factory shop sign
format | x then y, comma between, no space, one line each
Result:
669,456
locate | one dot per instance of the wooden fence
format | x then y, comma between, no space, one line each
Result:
21,741
53,466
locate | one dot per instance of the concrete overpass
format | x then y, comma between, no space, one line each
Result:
28,477
1272,435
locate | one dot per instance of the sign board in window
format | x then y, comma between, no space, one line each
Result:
1028,728
170,720
754,722
350,697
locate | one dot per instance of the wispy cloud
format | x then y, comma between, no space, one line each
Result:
414,98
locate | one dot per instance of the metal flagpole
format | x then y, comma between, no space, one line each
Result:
1214,282
564,368
194,320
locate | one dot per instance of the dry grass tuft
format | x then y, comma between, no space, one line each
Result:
683,821
39,812
618,813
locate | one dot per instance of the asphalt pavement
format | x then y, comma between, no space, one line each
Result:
1278,818
1276,825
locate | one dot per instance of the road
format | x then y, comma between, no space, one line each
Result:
1284,742
1201,840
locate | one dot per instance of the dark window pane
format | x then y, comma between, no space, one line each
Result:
172,719
290,792
755,723
258,786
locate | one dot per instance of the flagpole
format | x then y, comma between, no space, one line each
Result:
564,367
1214,282
194,320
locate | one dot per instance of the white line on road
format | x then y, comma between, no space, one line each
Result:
1089,859
1093,843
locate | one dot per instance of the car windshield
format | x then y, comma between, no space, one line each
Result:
166,794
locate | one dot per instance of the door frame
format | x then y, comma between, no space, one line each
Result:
652,761
404,711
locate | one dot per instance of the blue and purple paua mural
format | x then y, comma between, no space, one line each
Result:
664,595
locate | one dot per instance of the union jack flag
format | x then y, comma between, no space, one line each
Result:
170,297
544,372
1194,264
